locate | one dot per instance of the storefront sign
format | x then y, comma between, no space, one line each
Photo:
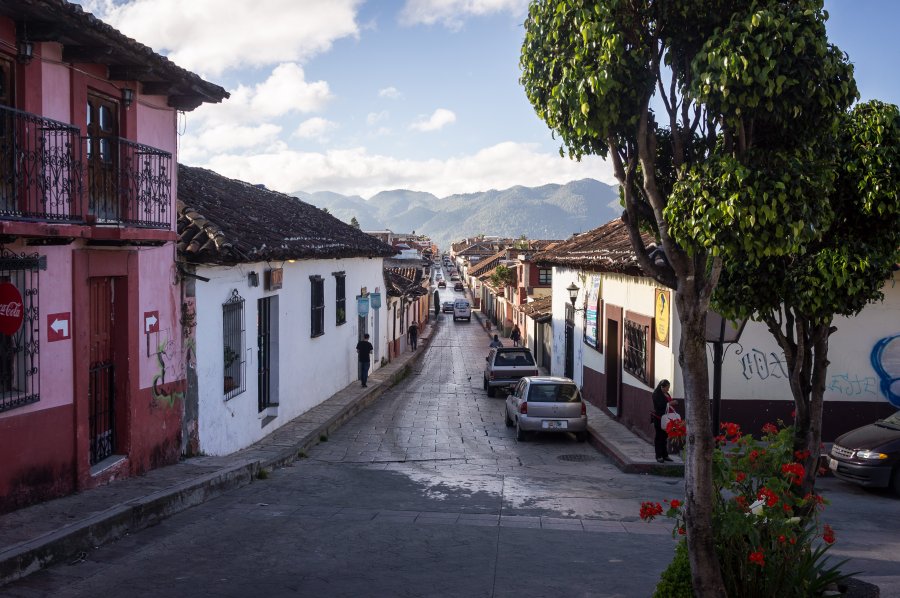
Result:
274,279
661,310
591,316
11,314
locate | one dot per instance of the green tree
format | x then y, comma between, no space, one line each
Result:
354,222
521,243
745,87
502,276
842,270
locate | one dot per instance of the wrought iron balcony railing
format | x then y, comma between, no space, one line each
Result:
40,171
128,182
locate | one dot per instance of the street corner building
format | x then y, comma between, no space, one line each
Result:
91,349
276,295
616,333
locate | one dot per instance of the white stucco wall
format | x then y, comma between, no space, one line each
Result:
309,370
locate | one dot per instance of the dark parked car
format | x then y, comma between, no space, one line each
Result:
459,287
506,366
870,455
442,284
447,307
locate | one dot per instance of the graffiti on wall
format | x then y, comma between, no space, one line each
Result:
885,358
851,385
165,394
761,365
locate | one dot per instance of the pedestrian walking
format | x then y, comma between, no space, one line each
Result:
496,343
515,335
364,349
412,334
661,401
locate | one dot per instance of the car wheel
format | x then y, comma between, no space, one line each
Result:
509,422
492,392
895,481
520,433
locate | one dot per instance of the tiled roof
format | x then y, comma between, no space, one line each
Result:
87,39
404,281
226,221
539,307
604,249
487,263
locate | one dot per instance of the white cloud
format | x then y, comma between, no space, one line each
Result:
212,36
376,117
355,171
451,13
315,128
391,93
438,120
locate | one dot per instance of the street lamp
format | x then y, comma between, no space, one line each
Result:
720,332
573,293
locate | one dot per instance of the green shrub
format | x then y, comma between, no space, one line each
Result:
675,581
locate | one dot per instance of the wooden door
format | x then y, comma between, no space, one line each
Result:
613,365
102,372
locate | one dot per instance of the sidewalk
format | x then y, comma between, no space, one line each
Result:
63,530
628,451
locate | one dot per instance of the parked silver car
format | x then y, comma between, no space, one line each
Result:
506,366
546,404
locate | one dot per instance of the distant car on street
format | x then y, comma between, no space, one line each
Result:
447,307
442,284
459,286
546,404
462,310
454,277
506,366
870,455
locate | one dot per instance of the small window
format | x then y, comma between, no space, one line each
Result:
553,393
636,358
340,302
233,345
545,276
317,315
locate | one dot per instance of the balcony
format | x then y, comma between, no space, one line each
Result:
50,174
40,173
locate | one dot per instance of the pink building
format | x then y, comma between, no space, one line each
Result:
91,350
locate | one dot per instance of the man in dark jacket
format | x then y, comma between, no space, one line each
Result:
364,349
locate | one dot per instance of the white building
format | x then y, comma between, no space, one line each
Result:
281,292
622,335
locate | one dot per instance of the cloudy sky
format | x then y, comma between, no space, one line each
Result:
358,96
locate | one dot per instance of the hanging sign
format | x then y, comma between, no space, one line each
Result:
11,314
362,306
661,310
59,327
590,315
375,300
274,279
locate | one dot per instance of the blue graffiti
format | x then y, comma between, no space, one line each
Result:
887,365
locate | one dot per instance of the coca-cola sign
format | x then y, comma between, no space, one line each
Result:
11,313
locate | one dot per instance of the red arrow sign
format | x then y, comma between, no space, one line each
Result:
59,327
151,321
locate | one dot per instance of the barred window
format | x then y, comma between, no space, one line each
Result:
545,276
317,315
340,310
233,354
636,358
19,329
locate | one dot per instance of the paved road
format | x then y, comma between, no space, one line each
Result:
427,493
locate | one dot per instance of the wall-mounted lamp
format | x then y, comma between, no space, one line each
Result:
127,96
573,293
253,279
24,51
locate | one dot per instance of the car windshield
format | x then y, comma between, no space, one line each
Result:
892,421
513,358
553,393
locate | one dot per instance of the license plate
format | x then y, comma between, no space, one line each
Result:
555,425
832,464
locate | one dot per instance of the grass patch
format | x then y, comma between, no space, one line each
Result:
262,474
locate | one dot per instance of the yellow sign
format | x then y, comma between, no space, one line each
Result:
662,310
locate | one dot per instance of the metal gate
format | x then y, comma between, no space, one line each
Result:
264,352
102,373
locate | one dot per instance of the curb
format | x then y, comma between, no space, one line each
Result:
73,541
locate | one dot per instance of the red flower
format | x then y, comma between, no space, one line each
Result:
795,471
769,429
754,455
828,534
758,558
787,508
793,540
782,539
801,455
676,429
815,498
681,531
649,510
741,501
720,439
740,476
770,497
732,431
793,413
675,503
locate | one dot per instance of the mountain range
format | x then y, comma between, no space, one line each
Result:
545,212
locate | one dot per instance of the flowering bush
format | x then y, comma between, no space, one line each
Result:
766,532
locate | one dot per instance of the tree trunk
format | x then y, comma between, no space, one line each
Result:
698,481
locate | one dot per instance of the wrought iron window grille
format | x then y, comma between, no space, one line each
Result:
635,350
317,303
233,331
20,351
340,283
